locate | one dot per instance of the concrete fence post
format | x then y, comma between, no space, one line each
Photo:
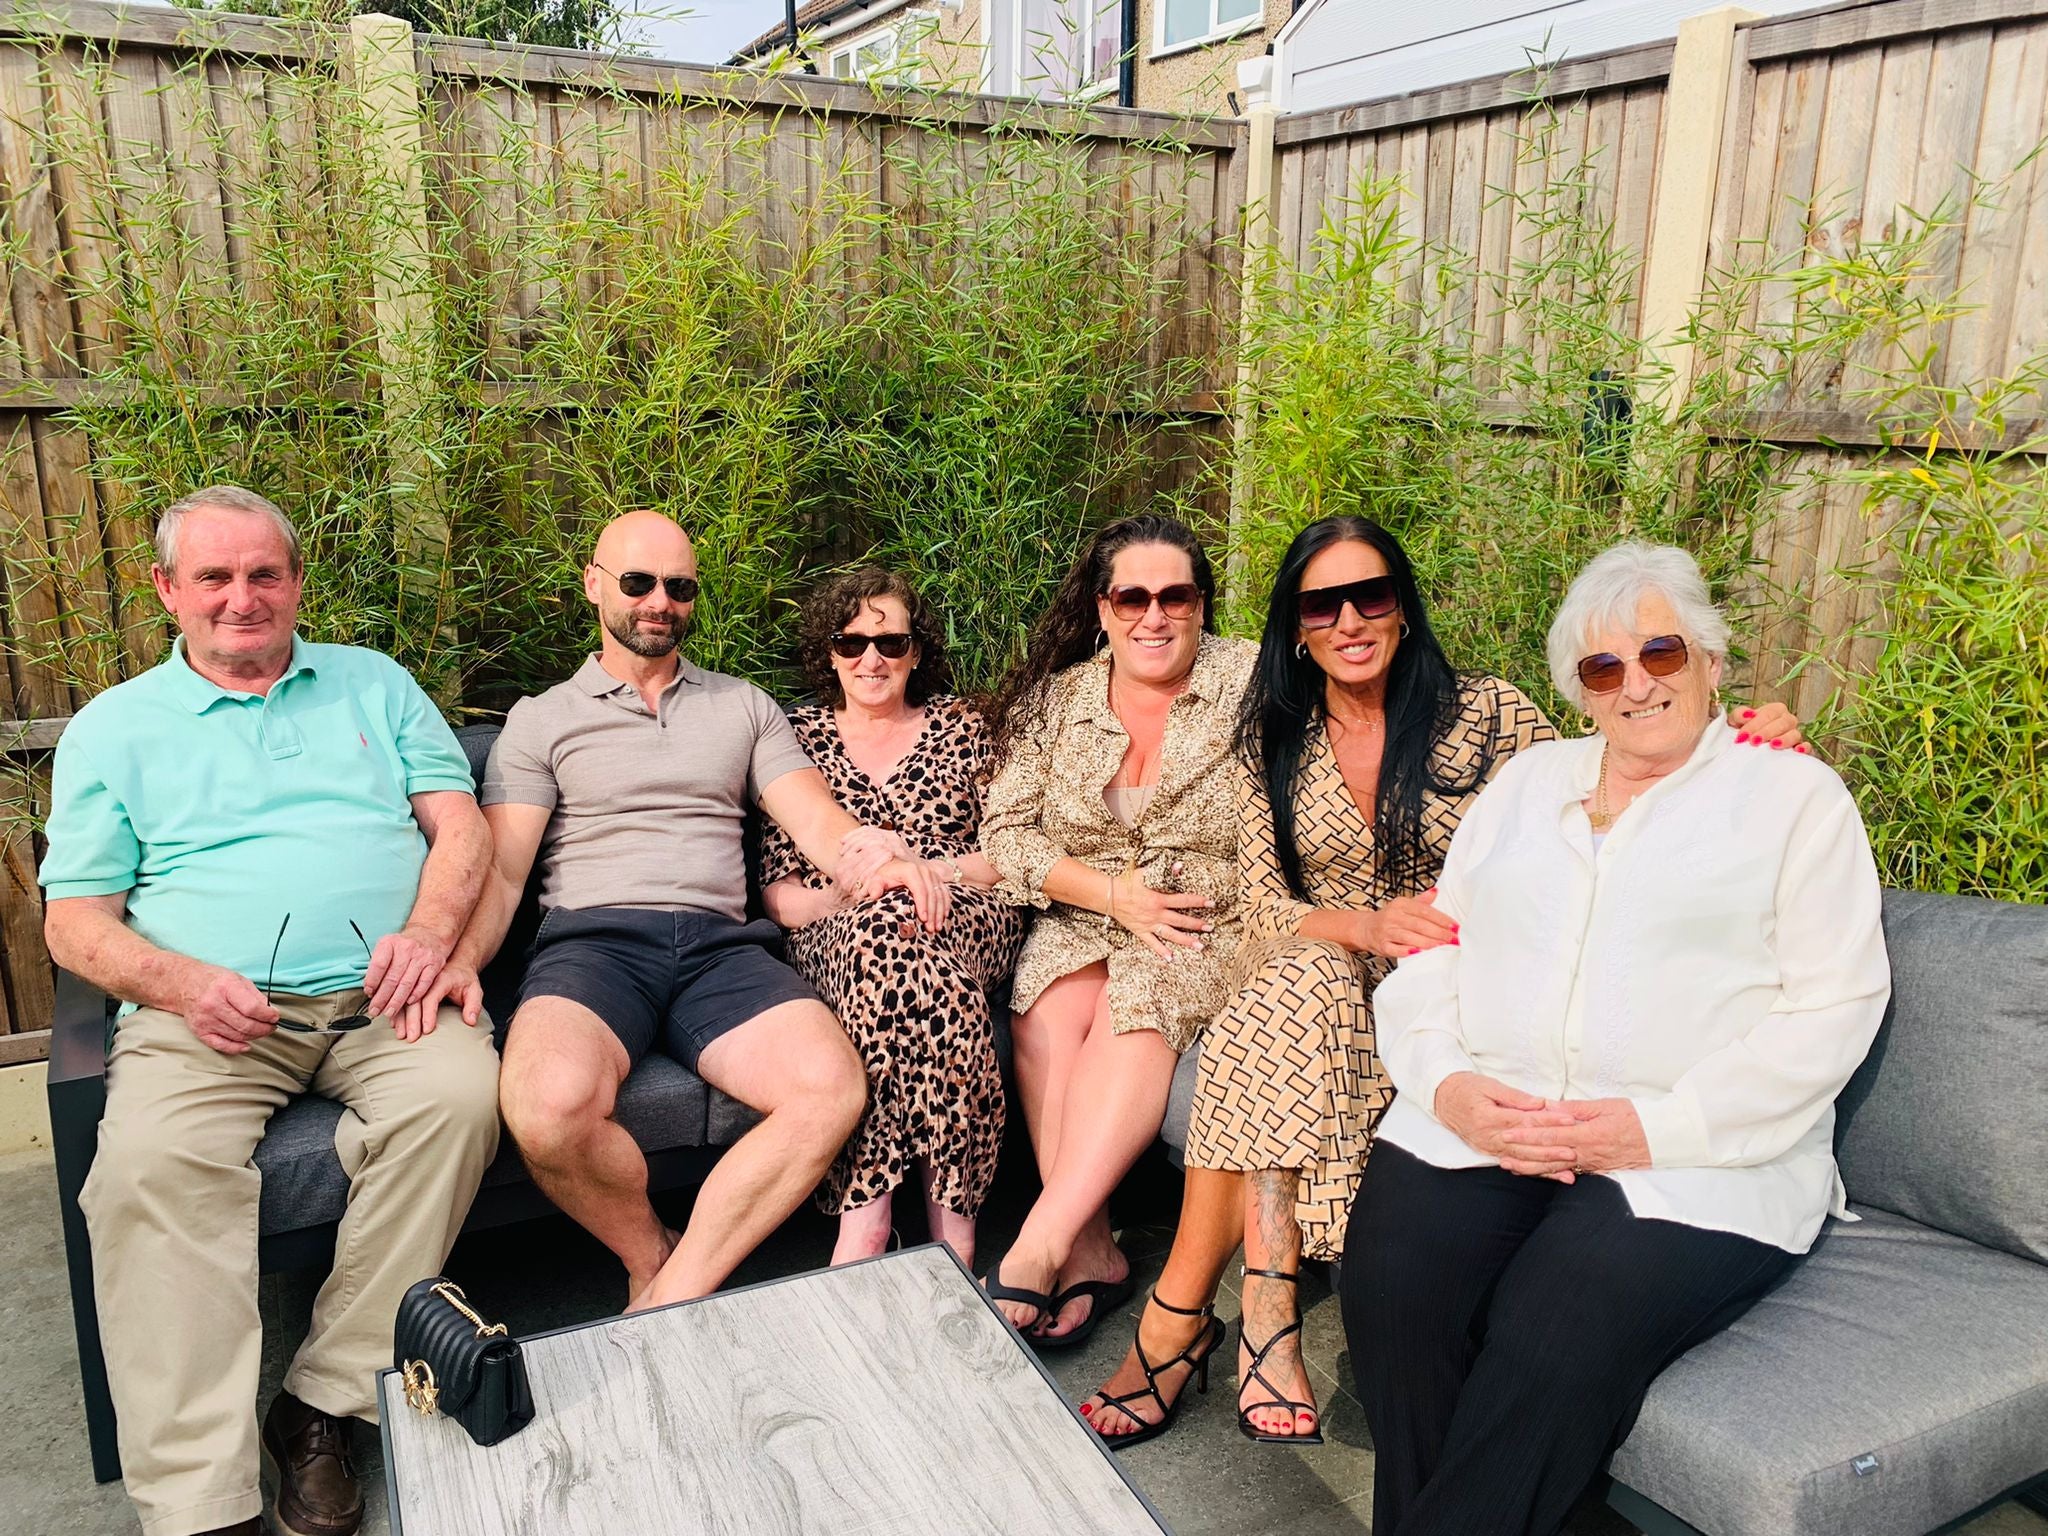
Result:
1255,85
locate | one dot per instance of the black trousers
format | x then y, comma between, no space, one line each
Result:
1504,1330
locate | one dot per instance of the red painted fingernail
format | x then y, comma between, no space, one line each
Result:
1777,743
1416,951
1454,941
1742,736
1802,747
1747,713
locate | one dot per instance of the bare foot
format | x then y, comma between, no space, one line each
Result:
1269,1307
1023,1272
638,1283
1162,1335
1107,1264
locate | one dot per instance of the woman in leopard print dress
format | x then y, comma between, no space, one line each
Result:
902,756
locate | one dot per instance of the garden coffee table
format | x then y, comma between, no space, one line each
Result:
882,1396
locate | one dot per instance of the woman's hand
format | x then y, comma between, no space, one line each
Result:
1769,724
925,881
1159,918
1505,1124
862,853
1406,925
1606,1135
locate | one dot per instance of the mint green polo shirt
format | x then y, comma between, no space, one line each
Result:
219,812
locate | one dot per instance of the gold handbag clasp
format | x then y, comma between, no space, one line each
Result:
451,1293
422,1393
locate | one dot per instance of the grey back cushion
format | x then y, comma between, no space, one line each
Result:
1946,1122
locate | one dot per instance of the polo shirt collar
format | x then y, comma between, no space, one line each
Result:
201,694
592,678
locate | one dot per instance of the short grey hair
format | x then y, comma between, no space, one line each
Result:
227,498
1609,591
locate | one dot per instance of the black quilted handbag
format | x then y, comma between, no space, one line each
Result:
454,1362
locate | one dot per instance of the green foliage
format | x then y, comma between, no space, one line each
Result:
592,24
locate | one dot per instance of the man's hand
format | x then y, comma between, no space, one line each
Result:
225,1010
1505,1124
402,967
929,892
862,853
1606,1134
456,982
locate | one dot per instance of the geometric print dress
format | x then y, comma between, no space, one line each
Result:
914,1004
1289,1075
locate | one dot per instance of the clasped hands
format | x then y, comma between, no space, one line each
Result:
872,861
1542,1138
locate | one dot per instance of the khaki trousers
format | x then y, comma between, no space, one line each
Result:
172,1207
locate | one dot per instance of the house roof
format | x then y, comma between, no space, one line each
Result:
809,17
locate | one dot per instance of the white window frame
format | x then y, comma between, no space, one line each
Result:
902,33
1219,31
1100,15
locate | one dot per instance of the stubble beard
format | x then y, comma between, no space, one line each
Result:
624,627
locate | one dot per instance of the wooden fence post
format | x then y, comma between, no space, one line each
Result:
1255,82
1695,109
384,69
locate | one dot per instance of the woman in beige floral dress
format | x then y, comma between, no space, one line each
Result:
1111,812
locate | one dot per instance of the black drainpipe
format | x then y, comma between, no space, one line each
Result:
1127,66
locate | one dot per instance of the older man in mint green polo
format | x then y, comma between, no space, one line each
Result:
266,848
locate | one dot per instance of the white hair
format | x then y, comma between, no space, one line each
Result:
227,498
1607,595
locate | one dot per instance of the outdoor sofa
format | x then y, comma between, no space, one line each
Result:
1896,1382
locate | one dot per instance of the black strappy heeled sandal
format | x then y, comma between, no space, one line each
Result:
1195,1357
1255,1372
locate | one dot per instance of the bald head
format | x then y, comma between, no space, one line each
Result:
636,546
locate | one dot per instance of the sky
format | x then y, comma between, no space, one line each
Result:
699,31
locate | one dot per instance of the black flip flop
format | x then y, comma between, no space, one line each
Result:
992,1283
1107,1296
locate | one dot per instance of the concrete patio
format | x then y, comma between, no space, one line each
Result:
1204,1477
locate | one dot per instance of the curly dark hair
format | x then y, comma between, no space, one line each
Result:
1066,632
838,602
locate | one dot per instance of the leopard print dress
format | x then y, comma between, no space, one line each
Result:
915,1004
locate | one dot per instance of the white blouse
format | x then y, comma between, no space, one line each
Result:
1718,960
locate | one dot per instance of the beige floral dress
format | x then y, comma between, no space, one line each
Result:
1289,1077
1046,803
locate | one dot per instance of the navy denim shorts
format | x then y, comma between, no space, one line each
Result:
677,980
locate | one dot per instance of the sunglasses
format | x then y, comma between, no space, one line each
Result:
1661,656
853,647
1178,601
680,589
334,1027
1320,607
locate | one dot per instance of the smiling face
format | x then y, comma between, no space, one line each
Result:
235,593
653,625
1355,652
1656,720
871,679
1152,648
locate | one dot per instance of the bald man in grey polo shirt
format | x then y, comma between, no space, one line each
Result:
630,783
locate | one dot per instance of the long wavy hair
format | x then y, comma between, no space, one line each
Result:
1285,703
1067,631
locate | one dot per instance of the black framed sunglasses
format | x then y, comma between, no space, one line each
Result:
1321,607
1178,601
680,589
334,1027
852,647
1661,656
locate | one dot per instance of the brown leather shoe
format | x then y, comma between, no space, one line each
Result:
306,1454
253,1526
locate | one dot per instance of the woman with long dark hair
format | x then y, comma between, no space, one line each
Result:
1359,747
1112,813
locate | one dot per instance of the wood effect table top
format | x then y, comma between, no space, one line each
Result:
881,1397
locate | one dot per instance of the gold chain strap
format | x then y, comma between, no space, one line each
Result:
451,1293
422,1392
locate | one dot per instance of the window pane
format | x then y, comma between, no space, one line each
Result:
1186,19
1228,11
1106,43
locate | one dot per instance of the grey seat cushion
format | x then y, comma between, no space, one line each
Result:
662,1103
1891,1341
1180,1103
1947,1119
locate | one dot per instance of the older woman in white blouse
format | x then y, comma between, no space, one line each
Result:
1613,1123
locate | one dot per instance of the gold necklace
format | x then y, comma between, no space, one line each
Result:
1601,818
